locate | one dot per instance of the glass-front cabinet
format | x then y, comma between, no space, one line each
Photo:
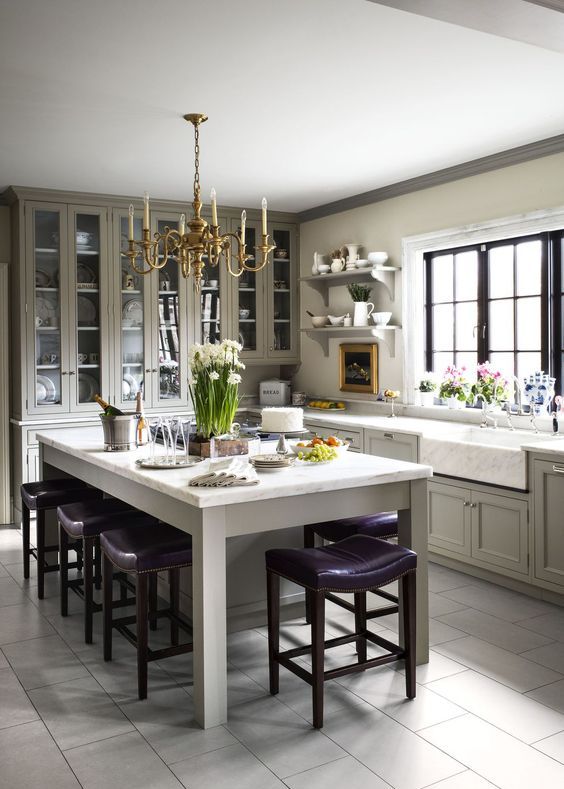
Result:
46,249
282,295
88,307
131,312
247,319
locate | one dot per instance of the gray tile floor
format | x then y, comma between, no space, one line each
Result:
489,710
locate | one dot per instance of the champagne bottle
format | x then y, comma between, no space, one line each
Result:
109,410
142,427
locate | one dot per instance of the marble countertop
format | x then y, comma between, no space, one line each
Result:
398,424
553,446
352,470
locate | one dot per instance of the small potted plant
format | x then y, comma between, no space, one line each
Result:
360,294
490,388
427,387
455,388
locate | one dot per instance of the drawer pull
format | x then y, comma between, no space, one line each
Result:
349,439
466,503
389,435
558,469
473,505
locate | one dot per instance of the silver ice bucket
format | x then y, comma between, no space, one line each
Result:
120,432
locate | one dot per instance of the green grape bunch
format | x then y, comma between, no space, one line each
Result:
319,454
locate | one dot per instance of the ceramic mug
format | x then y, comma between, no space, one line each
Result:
213,283
128,281
39,322
299,398
82,358
94,358
49,358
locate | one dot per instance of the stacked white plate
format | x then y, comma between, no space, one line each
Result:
272,462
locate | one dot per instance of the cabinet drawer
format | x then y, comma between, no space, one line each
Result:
354,437
548,523
388,444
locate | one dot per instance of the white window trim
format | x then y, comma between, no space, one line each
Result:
413,249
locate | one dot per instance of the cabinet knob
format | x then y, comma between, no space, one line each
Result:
473,505
64,372
466,503
72,372
148,370
154,370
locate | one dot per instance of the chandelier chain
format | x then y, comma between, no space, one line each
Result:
196,160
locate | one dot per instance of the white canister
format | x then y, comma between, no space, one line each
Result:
362,312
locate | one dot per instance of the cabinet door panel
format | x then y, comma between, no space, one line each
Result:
499,531
387,444
247,300
449,518
548,487
282,295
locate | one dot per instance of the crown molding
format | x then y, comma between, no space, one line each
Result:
496,161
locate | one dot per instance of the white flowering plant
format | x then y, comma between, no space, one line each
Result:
215,375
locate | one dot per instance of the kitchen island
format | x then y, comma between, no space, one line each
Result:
355,484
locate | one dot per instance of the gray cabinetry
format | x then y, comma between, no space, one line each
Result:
548,507
389,444
487,529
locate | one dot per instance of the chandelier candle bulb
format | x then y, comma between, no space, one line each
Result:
182,224
243,223
146,211
131,212
214,207
264,206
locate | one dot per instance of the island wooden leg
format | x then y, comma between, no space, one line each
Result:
413,533
209,618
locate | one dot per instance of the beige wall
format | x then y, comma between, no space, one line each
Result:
510,191
4,378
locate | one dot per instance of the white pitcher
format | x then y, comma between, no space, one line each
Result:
362,312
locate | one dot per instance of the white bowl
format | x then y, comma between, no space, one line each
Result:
381,318
362,263
377,258
82,237
244,314
323,268
296,449
336,320
319,321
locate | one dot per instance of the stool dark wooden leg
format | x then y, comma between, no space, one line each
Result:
141,597
88,576
122,587
273,607
107,581
317,654
152,601
97,564
64,570
25,539
409,610
40,553
360,624
174,583
309,542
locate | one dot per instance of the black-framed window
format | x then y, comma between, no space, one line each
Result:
502,301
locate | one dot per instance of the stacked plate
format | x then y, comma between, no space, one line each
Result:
272,462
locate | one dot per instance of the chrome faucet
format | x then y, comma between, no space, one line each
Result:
518,396
507,409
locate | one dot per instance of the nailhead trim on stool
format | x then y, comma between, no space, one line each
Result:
145,551
40,497
356,564
383,525
83,522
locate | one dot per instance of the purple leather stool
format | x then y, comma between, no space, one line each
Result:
357,564
80,524
40,497
383,525
145,551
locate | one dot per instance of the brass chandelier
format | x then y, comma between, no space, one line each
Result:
202,240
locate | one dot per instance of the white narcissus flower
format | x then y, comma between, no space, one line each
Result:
214,376
234,378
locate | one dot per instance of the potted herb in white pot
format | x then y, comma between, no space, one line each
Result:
363,308
455,388
427,387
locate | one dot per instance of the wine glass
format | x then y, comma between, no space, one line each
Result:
153,432
175,427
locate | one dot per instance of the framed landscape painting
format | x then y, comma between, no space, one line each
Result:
358,368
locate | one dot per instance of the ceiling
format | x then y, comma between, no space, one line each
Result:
309,101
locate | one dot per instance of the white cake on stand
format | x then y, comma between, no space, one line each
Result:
282,420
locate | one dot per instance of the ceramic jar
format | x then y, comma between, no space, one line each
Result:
362,312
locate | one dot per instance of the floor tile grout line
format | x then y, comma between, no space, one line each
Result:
542,739
333,761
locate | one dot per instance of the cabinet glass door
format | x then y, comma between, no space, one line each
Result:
48,232
248,300
88,253
171,320
131,315
282,302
